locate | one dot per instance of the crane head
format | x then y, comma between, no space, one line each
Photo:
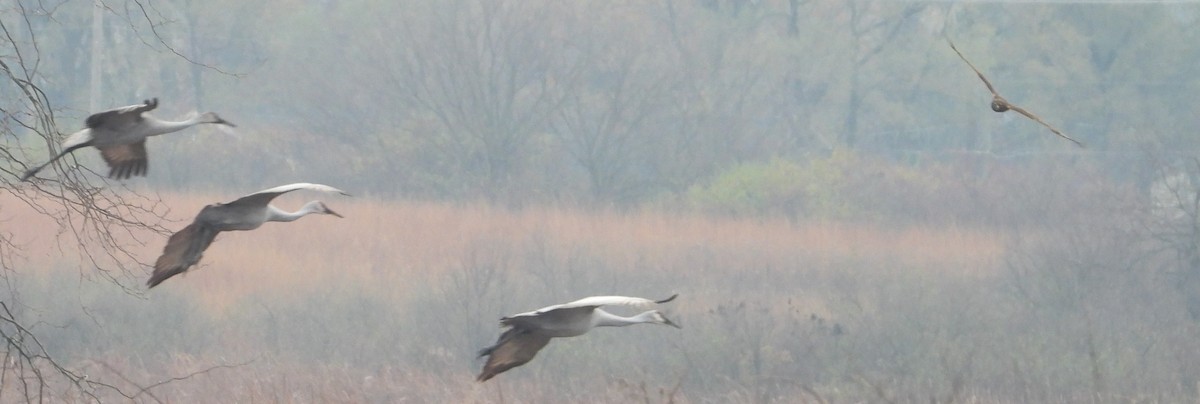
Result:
212,117
321,208
658,318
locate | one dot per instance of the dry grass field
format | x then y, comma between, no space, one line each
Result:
390,303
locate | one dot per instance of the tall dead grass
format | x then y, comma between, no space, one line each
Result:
318,284
393,245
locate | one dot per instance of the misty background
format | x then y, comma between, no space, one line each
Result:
823,182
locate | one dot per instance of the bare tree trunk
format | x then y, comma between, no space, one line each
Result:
97,54
793,18
850,138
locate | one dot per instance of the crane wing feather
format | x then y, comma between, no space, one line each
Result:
546,319
125,160
597,301
183,249
120,118
515,347
262,198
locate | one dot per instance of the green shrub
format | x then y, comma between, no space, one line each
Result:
783,187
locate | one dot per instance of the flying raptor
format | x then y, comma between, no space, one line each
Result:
999,104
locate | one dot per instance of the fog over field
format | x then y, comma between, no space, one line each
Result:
823,183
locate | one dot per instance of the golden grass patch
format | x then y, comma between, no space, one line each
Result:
391,247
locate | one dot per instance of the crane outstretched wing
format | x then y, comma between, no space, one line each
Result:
183,250
120,118
597,301
262,198
536,320
515,347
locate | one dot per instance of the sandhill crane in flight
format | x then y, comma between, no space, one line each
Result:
186,247
120,135
999,104
530,332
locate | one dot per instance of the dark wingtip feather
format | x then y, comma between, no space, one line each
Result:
157,278
129,170
116,172
161,275
667,299
486,373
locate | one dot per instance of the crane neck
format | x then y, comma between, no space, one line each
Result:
162,127
606,319
279,215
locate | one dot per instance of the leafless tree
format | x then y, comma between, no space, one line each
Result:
606,120
1174,225
873,27
717,117
486,72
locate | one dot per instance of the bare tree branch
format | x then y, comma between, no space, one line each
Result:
146,389
102,223
162,40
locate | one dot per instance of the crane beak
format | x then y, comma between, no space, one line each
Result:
224,122
330,211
